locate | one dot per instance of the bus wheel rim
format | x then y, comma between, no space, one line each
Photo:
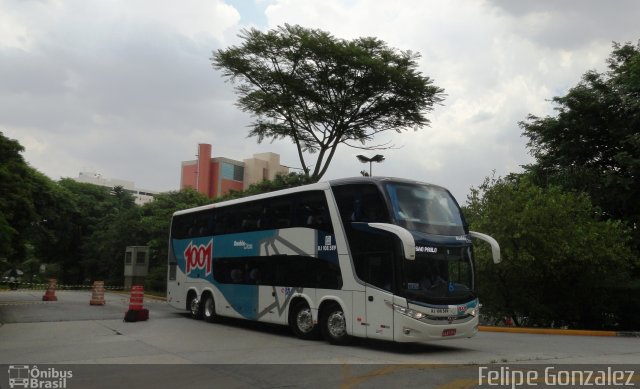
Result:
194,305
304,321
336,324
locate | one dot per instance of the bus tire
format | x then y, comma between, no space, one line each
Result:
333,324
194,306
209,308
301,321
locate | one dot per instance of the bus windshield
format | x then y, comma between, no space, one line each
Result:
424,208
439,275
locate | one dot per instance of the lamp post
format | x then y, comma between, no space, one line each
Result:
376,158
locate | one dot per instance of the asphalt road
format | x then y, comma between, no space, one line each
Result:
171,349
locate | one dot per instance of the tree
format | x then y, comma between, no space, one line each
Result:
51,235
593,143
76,227
16,208
320,91
561,265
25,199
103,249
280,181
154,223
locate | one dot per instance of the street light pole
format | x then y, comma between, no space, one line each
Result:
376,158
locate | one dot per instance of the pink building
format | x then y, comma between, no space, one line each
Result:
215,177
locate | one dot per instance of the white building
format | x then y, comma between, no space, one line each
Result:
141,196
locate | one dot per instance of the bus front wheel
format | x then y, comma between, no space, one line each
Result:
334,325
301,321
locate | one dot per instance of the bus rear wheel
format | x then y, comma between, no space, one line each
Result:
195,309
209,309
334,325
301,321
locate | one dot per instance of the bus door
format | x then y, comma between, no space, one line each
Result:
379,298
379,313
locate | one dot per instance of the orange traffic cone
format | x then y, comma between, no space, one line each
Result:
97,293
136,312
50,294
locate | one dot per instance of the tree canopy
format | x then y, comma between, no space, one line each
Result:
14,196
561,265
24,193
320,91
593,143
280,181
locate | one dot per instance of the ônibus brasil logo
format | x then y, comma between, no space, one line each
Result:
198,257
29,377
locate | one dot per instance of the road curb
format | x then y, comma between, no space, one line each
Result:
554,331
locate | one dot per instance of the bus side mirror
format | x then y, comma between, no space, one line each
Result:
408,242
495,247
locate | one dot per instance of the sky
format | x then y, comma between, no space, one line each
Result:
125,88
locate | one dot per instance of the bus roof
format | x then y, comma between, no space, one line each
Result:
317,186
266,195
360,180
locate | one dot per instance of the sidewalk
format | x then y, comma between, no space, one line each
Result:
554,331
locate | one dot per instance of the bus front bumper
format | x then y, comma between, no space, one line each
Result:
408,329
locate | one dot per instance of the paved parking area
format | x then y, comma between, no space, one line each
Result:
72,332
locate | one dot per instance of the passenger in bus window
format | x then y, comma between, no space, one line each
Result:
236,275
254,276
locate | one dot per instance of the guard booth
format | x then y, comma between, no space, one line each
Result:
136,265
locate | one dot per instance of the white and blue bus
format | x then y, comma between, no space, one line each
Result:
381,258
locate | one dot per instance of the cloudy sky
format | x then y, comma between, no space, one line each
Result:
126,87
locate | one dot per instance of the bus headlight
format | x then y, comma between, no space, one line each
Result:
409,312
412,313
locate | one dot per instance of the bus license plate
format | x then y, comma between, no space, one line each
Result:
449,332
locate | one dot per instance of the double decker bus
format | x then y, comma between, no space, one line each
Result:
371,257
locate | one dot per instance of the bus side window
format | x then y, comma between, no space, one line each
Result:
193,225
276,214
220,224
346,199
311,211
375,269
361,203
249,217
180,226
227,220
203,224
373,206
327,274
